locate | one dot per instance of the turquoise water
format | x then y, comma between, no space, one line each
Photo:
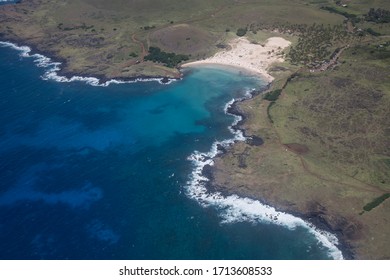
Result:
4,2
92,172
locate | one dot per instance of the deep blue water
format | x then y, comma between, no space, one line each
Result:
4,2
100,172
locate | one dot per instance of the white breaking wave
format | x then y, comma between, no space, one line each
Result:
236,209
233,208
54,67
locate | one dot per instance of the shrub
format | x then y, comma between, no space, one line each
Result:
168,59
378,15
272,95
241,31
372,32
371,205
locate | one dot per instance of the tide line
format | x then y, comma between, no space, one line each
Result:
233,208
53,68
236,209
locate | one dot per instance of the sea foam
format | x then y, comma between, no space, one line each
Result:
52,69
233,208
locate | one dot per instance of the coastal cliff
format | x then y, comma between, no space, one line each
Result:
321,149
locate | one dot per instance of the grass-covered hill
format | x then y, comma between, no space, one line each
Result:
326,131
325,121
111,38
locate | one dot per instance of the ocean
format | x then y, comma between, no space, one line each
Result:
113,171
3,2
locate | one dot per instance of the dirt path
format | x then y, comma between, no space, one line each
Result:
142,46
333,60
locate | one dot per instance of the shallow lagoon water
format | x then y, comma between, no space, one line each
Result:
103,172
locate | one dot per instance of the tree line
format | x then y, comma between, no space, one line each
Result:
168,59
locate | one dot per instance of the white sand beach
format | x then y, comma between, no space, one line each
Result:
251,57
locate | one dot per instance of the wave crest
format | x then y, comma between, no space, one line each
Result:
236,209
53,68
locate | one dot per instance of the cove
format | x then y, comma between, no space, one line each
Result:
106,172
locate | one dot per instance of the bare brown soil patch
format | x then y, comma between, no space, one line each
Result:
299,149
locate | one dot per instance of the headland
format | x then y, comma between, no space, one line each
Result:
323,122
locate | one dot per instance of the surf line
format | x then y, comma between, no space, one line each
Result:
237,209
52,69
233,208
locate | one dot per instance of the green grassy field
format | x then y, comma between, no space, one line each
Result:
111,38
326,140
326,135
325,153
342,115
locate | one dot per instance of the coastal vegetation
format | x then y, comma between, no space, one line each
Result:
378,15
95,37
371,205
325,150
324,121
352,17
316,43
168,59
373,32
272,95
241,31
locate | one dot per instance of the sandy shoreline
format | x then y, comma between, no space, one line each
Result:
250,57
232,110
256,59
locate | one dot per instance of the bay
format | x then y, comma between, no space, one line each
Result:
90,172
